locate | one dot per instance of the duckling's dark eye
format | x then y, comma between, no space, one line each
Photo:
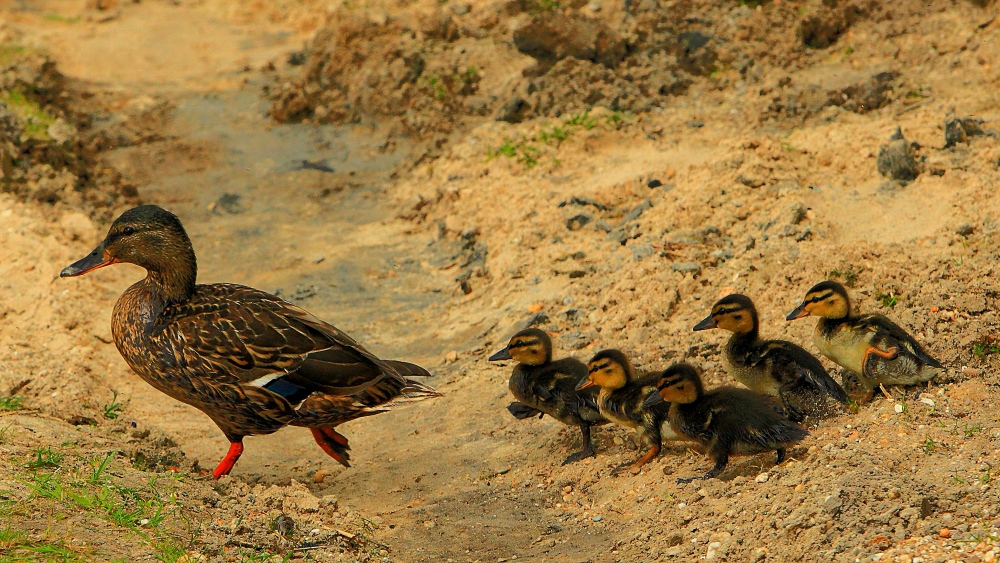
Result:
128,231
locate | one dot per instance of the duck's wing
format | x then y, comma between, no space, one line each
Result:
887,333
561,386
789,363
751,418
236,334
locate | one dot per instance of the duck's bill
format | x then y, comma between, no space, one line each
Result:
798,313
96,259
584,384
501,355
652,399
707,323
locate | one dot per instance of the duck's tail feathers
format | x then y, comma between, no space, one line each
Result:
406,369
828,385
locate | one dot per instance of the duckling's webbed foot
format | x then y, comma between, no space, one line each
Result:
720,465
588,446
522,411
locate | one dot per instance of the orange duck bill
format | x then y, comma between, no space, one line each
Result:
99,258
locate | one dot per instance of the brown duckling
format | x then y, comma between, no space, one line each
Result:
875,349
771,367
546,386
621,400
247,359
726,421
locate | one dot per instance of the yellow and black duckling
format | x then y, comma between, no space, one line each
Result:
875,349
543,386
621,400
771,367
725,421
250,361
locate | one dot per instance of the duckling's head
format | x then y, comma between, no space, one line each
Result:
608,369
680,383
531,347
826,299
147,236
734,313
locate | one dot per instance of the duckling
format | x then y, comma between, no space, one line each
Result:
726,421
546,387
771,367
871,347
250,361
621,400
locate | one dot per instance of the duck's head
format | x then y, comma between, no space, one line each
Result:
734,313
680,383
147,236
531,347
826,299
608,369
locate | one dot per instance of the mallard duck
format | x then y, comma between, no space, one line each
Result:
543,386
621,399
771,367
726,421
250,361
875,349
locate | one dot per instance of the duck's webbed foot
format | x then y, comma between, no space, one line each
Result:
522,411
720,465
588,446
333,443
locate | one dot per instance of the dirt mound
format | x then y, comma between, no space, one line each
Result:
439,68
49,148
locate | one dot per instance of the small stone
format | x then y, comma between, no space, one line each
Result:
704,493
945,533
598,518
965,230
654,184
762,478
898,408
576,222
319,476
686,267
897,159
961,129
451,357
429,524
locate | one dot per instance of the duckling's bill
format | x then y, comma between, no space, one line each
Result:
652,399
99,258
588,382
501,355
798,312
706,323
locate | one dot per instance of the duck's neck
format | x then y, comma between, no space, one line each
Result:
174,282
741,341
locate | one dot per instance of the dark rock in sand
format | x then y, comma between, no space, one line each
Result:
961,129
897,159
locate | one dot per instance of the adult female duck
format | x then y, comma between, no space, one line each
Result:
250,361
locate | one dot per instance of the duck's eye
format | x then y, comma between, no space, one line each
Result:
128,231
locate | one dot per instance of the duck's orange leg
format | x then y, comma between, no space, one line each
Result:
890,354
227,463
636,465
335,446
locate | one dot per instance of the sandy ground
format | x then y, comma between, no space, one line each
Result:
433,234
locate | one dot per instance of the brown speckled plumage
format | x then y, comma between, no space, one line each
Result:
247,359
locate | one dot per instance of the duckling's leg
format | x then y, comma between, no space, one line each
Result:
588,446
227,463
781,456
333,443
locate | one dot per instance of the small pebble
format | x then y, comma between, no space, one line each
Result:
898,408
945,533
319,476
598,518
762,478
654,184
